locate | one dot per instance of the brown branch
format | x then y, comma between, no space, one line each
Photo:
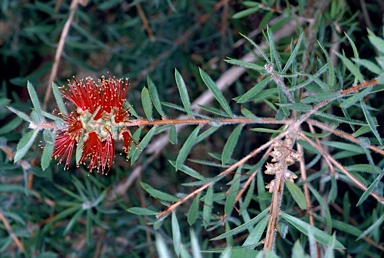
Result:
145,21
172,207
9,230
342,168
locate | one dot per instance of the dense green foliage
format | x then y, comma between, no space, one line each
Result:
233,76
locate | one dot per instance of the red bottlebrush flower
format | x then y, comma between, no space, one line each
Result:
99,120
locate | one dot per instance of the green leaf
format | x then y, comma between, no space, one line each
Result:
176,235
146,102
47,155
253,91
375,225
331,74
172,135
193,210
320,97
207,209
155,97
369,65
159,194
365,168
355,98
256,233
20,114
376,41
233,191
183,93
296,106
273,52
243,226
293,55
196,251
35,101
216,92
59,99
370,189
143,143
324,207
297,195
248,197
370,121
245,64
351,67
184,151
245,12
142,211
304,227
231,144
258,48
25,144
9,127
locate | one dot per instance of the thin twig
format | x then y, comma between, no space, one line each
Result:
59,51
145,21
342,168
9,230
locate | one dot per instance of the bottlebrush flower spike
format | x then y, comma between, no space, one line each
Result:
99,120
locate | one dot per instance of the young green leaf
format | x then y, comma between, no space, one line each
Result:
159,194
370,189
183,93
323,206
47,155
253,91
248,197
142,211
184,151
376,41
143,143
172,135
304,227
207,209
258,48
351,67
375,225
216,92
35,101
370,121
244,64
274,55
245,12
176,235
146,102
296,194
20,114
371,66
231,144
355,98
256,233
155,97
59,99
331,74
233,191
193,210
293,55
243,226
25,144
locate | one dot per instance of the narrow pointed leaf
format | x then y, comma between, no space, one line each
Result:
231,144
155,97
231,196
184,151
207,209
375,225
244,64
183,93
376,41
20,114
293,55
35,101
351,67
147,103
253,91
59,99
258,48
176,235
193,210
355,98
143,143
256,233
304,227
274,55
25,144
142,211
172,135
216,92
370,189
370,121
159,194
297,195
